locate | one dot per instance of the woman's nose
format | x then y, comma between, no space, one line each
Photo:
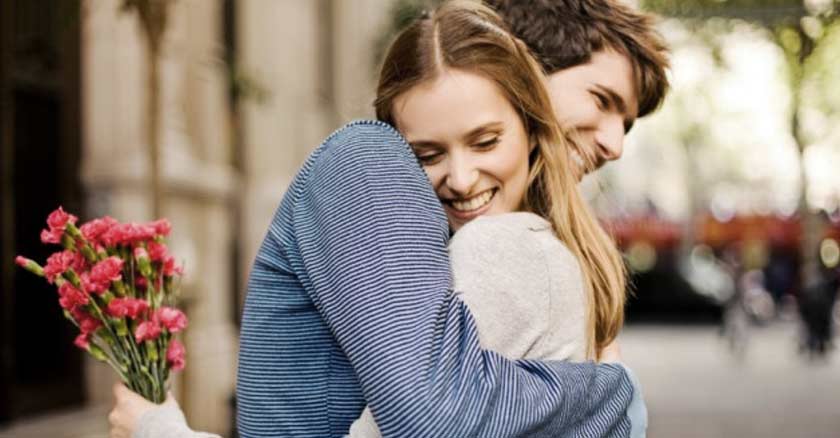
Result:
461,176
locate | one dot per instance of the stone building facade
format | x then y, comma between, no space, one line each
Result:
226,157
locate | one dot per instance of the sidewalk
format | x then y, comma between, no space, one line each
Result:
695,387
86,423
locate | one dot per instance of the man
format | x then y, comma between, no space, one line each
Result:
605,64
349,297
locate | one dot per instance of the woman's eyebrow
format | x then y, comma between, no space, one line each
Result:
425,144
494,126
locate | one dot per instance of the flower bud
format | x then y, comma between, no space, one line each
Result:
151,348
68,242
122,328
143,261
89,254
74,232
29,265
81,341
97,352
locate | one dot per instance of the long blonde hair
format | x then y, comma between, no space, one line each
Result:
468,36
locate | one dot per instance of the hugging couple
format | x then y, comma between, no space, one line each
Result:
435,272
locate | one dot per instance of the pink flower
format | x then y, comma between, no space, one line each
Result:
173,319
147,330
58,219
87,323
124,234
51,236
82,341
58,263
70,297
94,229
170,268
91,286
140,253
162,227
106,271
176,355
127,307
21,261
78,313
157,251
79,264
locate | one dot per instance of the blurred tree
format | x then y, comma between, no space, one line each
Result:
799,28
402,13
153,15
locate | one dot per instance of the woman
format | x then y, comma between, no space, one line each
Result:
545,282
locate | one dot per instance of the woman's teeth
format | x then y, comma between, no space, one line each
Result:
474,203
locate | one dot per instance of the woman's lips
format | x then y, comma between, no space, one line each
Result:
466,212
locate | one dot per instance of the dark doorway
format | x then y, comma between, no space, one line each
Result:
39,170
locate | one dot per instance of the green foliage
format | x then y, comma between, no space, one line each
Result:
402,13
245,87
820,85
761,10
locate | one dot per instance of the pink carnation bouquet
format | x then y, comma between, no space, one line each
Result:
116,283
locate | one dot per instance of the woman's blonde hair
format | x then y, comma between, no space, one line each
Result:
468,36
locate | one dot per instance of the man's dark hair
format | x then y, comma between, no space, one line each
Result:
565,33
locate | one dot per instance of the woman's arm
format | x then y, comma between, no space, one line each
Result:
135,417
523,286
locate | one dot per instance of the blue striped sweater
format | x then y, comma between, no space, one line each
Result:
349,301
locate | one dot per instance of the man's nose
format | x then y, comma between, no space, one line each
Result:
610,139
461,176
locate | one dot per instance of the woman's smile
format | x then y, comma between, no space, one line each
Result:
470,208
470,141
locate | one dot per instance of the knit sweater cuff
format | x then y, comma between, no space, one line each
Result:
166,422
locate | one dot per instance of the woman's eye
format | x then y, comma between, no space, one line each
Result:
429,158
486,144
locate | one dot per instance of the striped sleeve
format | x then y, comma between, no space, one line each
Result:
372,238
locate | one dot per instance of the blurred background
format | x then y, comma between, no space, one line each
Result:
726,203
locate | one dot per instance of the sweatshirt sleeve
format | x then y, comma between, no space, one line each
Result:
372,238
501,273
166,421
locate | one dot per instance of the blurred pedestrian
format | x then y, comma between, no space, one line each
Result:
816,305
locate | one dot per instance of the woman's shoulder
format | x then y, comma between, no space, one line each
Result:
517,229
507,224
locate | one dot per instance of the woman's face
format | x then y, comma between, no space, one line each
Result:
470,141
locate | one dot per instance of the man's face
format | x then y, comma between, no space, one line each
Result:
597,99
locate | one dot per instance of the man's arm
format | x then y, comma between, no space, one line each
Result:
372,238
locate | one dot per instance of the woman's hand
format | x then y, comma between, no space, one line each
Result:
128,408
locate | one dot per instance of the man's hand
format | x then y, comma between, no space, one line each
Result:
128,408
